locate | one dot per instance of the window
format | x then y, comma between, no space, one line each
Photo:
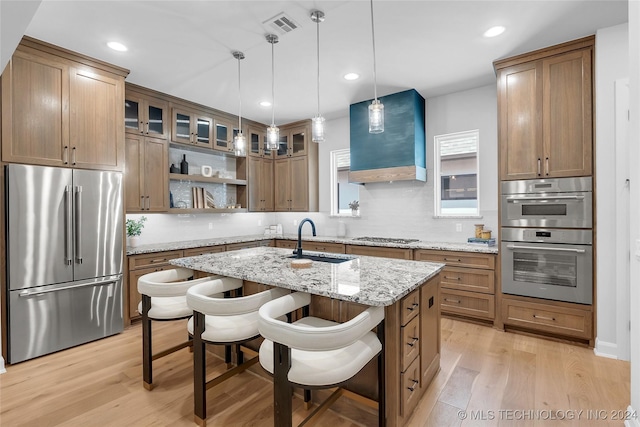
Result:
456,174
342,192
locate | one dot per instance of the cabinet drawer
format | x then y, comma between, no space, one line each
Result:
548,318
204,251
379,251
468,279
337,248
457,259
410,306
158,258
465,303
410,384
410,342
246,245
288,244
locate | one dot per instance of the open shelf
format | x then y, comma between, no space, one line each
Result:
207,210
200,178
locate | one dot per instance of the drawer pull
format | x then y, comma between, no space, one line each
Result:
153,261
451,278
412,343
413,307
535,316
452,259
457,301
413,387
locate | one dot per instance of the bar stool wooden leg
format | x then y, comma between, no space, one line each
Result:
239,355
282,402
147,356
382,416
199,371
307,399
227,356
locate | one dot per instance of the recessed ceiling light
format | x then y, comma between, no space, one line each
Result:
265,103
494,31
117,46
351,76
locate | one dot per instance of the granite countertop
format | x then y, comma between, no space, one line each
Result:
189,244
365,280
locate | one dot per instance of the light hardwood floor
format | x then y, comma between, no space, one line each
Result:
485,373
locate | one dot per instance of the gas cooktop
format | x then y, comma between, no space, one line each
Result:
385,240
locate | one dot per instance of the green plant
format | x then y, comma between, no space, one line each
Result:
134,227
355,205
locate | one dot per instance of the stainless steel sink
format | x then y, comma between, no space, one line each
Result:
323,258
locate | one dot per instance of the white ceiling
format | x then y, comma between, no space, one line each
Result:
183,48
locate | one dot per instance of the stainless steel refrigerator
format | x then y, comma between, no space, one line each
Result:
64,258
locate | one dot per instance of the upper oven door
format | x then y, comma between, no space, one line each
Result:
557,210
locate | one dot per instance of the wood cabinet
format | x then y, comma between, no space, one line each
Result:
336,248
555,318
260,183
467,283
191,127
224,132
379,251
257,139
137,266
146,179
144,114
62,109
545,112
291,180
294,140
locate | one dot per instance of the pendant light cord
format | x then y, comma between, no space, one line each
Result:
273,90
373,37
239,99
318,51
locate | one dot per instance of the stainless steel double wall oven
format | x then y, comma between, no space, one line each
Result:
547,238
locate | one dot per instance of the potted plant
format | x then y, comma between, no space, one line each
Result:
355,205
134,230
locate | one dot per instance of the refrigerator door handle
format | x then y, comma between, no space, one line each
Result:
68,257
78,202
25,294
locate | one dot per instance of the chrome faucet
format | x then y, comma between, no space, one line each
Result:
298,250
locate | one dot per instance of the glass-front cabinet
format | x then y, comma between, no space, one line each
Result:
225,131
293,142
192,128
257,138
145,115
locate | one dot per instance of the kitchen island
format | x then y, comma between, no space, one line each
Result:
340,290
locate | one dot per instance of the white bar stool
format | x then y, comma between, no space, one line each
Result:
315,353
163,299
223,321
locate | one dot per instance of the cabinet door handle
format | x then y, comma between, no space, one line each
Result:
147,128
141,126
148,202
455,301
154,261
413,307
546,166
535,316
413,387
412,343
538,166
452,260
65,155
73,156
141,203
451,278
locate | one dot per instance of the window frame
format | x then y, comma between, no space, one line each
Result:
437,179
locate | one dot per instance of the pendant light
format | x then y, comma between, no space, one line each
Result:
376,109
317,123
239,141
273,133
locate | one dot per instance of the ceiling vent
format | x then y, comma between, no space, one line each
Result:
282,23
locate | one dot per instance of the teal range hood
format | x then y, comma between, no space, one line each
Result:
396,154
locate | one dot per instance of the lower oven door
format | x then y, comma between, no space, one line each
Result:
546,270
